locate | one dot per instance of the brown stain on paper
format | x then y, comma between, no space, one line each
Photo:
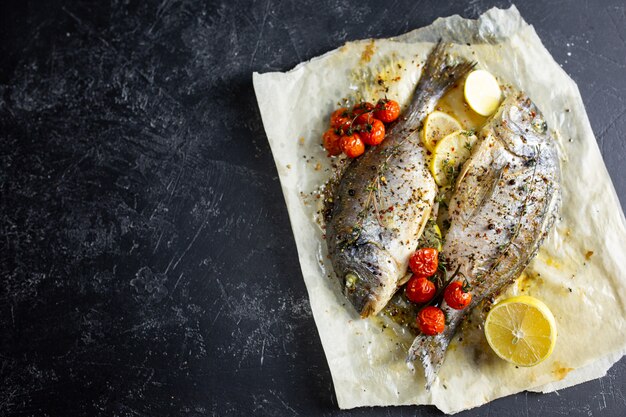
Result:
561,371
528,279
368,52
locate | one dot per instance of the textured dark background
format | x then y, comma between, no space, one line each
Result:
146,259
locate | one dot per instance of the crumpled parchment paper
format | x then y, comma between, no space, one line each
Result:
577,272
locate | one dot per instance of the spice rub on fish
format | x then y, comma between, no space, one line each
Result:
384,198
506,200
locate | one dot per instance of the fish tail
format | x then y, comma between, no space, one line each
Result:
438,76
430,351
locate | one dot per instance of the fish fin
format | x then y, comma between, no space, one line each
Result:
430,351
438,75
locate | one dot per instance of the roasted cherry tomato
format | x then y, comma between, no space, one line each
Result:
431,320
362,112
424,262
339,116
352,145
420,289
332,142
364,119
363,107
387,110
456,295
341,120
374,133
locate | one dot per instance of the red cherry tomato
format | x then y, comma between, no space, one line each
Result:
341,120
364,119
387,110
332,142
363,107
339,117
374,133
431,320
352,145
363,111
424,262
420,289
456,296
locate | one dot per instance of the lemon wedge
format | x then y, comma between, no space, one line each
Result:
437,126
482,92
521,330
449,154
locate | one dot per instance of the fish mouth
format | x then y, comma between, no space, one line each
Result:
368,308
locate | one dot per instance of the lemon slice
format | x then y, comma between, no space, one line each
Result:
437,126
521,330
482,92
451,152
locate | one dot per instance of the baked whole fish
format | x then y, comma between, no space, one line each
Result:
506,200
385,197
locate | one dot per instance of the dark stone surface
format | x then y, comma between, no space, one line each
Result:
146,260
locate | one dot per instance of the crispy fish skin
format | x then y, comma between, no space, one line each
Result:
506,200
384,198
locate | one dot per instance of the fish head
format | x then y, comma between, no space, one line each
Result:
368,276
520,125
